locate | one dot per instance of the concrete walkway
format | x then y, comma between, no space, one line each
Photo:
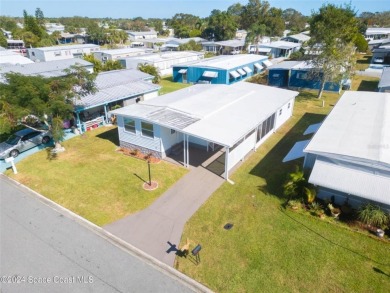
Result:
157,229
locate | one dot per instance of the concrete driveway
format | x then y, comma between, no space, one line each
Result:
157,229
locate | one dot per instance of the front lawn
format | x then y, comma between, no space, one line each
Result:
167,85
270,249
93,180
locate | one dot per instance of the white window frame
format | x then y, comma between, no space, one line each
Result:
147,130
124,126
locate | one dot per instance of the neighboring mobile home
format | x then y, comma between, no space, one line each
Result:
299,75
114,88
224,69
349,156
384,82
162,61
60,52
236,119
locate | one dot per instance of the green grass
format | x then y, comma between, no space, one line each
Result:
167,85
365,83
270,249
363,61
93,180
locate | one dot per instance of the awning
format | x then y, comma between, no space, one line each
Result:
210,74
351,181
234,74
247,69
264,50
267,63
297,151
258,66
312,128
240,71
183,71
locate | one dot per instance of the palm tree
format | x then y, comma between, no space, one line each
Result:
255,33
296,185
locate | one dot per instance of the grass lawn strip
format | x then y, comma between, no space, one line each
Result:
270,249
93,180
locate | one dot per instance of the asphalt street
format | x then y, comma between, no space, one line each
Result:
44,248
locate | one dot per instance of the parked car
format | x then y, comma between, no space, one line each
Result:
23,140
379,60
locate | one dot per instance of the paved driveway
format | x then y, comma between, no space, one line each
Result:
45,248
157,229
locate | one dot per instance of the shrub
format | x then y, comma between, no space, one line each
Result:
373,215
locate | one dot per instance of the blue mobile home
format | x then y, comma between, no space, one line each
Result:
225,69
297,75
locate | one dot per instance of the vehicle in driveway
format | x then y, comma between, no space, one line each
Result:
23,140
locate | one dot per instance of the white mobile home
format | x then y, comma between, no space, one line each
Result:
60,52
236,118
115,54
349,156
163,61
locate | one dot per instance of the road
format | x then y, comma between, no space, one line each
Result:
45,248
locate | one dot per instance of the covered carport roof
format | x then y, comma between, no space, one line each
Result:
222,114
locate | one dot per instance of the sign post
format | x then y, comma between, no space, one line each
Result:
195,252
11,160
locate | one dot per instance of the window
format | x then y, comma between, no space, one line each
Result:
57,53
173,131
33,53
301,75
280,112
275,75
289,105
265,127
129,125
147,129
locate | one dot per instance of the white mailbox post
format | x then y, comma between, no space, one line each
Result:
11,160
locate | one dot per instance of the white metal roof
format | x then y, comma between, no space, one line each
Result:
377,30
385,78
12,58
228,61
165,56
117,85
47,69
220,113
123,51
351,180
67,47
280,45
286,65
299,37
358,128
231,43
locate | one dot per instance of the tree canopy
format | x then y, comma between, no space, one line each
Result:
333,29
152,70
51,100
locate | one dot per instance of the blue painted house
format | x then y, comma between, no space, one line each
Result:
297,75
225,69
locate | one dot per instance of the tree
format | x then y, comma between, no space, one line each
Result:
98,66
221,26
361,43
50,100
40,18
150,69
254,35
3,41
334,29
190,46
295,21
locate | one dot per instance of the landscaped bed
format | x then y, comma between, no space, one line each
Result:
273,249
93,180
